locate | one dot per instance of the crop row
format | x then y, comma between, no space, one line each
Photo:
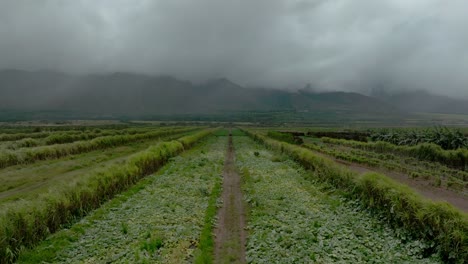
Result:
16,141
59,135
457,159
285,137
439,174
291,220
444,137
30,155
160,219
18,136
436,222
24,224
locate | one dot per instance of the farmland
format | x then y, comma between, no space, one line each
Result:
196,194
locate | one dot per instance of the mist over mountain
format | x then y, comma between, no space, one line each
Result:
137,95
343,45
133,94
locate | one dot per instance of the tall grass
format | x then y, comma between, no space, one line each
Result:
18,136
31,155
457,159
72,136
438,222
27,222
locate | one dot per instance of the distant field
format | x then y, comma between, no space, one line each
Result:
153,193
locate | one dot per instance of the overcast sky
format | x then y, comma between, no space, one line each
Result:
334,44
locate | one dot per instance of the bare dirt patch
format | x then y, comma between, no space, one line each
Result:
230,235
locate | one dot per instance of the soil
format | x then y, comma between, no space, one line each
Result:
230,234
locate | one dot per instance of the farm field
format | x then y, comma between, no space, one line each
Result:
200,195
18,183
289,210
158,220
436,173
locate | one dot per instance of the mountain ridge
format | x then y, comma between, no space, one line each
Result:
139,95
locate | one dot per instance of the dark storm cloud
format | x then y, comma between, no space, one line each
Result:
334,44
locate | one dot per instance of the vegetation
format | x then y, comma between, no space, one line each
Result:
10,158
414,168
24,224
163,216
302,207
444,137
204,254
289,213
18,136
285,137
349,135
27,182
430,221
457,159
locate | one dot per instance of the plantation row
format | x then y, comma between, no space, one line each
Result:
54,138
414,168
430,221
30,155
161,219
26,223
29,181
445,137
48,133
18,136
168,218
457,159
294,219
67,136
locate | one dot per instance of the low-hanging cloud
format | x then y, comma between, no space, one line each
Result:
354,45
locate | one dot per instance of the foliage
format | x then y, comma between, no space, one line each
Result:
408,165
27,223
294,220
349,135
204,255
31,155
18,136
425,151
285,137
163,213
436,222
444,137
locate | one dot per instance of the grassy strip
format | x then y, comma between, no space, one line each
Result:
439,222
27,223
57,151
426,151
205,251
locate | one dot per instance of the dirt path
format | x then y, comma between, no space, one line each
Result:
421,186
230,235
